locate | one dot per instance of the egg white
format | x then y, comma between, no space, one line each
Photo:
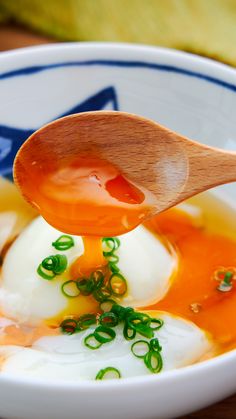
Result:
144,260
67,358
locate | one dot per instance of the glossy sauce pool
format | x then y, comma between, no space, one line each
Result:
202,251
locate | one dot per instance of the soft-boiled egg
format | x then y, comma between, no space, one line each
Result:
67,357
144,260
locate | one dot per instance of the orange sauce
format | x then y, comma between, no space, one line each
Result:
86,196
90,197
201,253
91,260
23,336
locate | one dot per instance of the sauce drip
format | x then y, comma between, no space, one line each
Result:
91,260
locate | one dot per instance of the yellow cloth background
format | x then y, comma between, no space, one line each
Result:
206,27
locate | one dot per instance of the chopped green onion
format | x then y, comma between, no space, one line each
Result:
228,277
128,311
122,312
55,264
113,258
113,243
117,284
70,289
136,318
91,342
158,323
144,330
69,326
119,310
129,332
113,267
155,345
140,348
87,320
109,319
106,305
86,286
141,323
48,263
153,361
226,284
44,273
98,279
108,373
64,242
102,294
104,334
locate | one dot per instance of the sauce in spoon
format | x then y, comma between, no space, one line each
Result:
88,197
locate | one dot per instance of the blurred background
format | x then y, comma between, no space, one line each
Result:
205,27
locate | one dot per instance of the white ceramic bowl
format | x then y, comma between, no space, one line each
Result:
192,95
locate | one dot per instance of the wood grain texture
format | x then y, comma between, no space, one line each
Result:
151,156
223,410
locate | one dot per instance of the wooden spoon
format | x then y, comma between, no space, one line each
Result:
152,158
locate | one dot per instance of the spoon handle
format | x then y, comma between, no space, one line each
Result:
207,167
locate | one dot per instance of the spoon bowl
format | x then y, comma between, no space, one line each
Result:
156,163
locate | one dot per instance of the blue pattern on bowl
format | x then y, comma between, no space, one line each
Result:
12,138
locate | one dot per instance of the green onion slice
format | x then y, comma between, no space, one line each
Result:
119,310
228,277
91,342
129,332
69,326
140,322
87,320
153,361
136,318
49,263
85,286
122,312
156,324
113,243
106,305
64,242
140,348
108,373
129,311
102,294
70,289
226,284
113,258
44,273
56,264
144,330
117,284
155,345
104,334
98,279
109,319
113,267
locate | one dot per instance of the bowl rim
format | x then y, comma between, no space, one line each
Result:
221,72
190,60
